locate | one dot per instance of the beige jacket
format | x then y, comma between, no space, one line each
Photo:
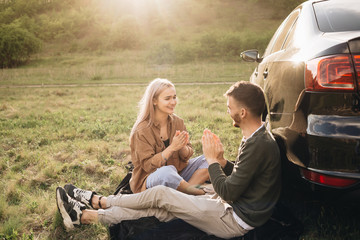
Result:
146,147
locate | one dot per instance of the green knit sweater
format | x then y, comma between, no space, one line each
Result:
252,184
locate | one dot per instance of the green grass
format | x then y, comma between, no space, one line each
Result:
119,67
51,136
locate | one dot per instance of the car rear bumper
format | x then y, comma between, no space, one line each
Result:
334,145
347,194
334,126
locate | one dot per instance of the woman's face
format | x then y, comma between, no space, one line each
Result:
166,101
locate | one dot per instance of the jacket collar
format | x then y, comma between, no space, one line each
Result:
170,120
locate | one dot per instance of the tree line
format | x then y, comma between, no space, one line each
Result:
90,25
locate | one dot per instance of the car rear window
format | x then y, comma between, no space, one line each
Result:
338,16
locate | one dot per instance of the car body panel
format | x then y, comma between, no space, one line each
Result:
319,130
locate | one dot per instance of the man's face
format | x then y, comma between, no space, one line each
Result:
234,109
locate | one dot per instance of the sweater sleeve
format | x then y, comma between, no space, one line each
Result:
228,168
146,153
231,187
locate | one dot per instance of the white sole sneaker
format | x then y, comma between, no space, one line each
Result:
64,215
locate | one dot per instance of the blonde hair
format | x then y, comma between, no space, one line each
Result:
146,104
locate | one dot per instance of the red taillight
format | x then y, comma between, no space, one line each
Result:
326,179
357,68
331,73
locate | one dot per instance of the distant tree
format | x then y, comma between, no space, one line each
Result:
209,45
16,45
283,7
126,33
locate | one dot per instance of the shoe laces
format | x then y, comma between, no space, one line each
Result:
80,191
75,203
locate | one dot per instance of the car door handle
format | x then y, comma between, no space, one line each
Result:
256,72
265,73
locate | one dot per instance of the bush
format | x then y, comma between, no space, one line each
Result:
162,54
185,52
126,34
256,41
16,45
231,44
209,45
284,6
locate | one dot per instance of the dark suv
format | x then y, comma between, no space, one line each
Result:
310,73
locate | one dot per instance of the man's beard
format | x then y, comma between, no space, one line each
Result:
236,120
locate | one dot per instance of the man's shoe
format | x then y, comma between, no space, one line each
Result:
80,195
70,209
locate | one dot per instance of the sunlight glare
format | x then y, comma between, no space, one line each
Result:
141,9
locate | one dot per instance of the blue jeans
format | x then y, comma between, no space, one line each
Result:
168,175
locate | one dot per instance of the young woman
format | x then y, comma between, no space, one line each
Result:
160,147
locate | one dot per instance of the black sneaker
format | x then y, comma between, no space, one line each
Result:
70,209
80,195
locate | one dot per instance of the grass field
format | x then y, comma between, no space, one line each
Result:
119,67
51,136
54,134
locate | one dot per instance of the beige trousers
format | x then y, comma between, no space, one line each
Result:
208,213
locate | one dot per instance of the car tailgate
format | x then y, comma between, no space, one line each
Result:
354,46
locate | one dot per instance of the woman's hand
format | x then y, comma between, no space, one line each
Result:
180,140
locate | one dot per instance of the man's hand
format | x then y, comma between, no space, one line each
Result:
212,148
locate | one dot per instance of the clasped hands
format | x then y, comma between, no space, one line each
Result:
180,140
212,148
211,145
